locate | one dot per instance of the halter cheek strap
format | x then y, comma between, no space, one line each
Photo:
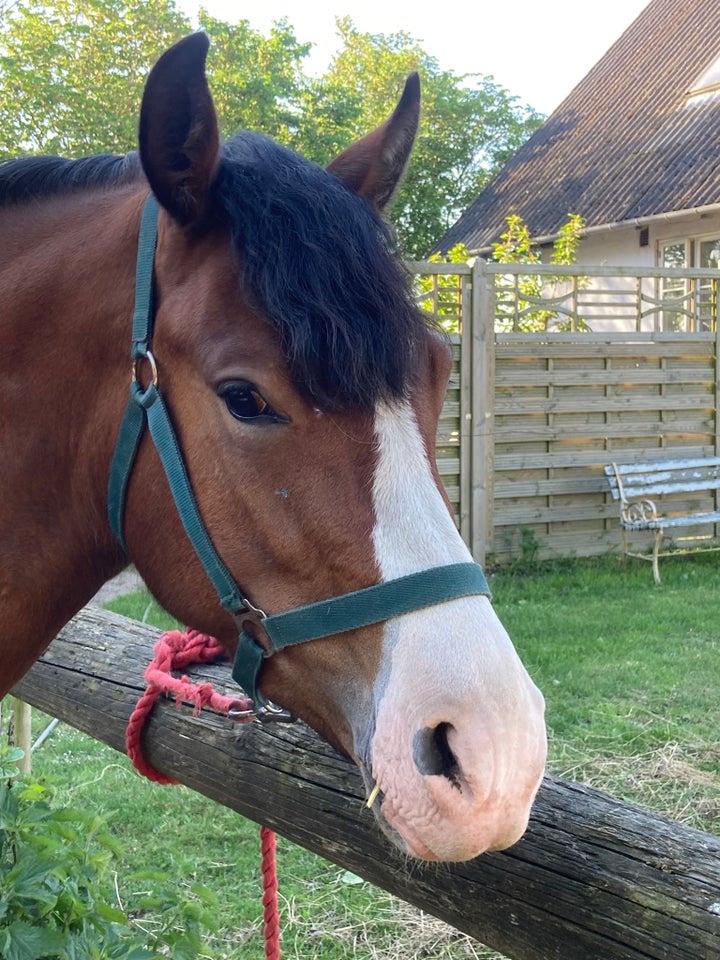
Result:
146,409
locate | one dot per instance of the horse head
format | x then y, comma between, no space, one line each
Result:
304,389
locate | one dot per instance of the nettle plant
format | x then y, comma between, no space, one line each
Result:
57,891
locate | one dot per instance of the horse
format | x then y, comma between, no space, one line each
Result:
301,389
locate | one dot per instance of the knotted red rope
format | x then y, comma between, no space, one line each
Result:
176,650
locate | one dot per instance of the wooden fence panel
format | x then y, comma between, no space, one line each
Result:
567,410
532,416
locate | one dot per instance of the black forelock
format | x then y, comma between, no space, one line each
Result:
313,257
323,269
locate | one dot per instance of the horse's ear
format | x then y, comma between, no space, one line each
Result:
374,165
179,140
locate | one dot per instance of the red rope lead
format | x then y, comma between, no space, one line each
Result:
176,650
270,895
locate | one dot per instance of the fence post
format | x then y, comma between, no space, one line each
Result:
467,380
20,734
482,411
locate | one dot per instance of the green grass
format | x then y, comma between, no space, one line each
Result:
630,671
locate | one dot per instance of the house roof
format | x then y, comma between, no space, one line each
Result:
627,143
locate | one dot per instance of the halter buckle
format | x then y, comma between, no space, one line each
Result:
248,612
265,712
269,712
241,714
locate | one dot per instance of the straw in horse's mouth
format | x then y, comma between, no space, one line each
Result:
373,796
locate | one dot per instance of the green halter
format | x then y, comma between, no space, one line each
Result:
146,409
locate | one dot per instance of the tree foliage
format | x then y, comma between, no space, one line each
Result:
527,303
469,126
257,82
71,78
72,74
520,299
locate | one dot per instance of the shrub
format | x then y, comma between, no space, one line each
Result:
57,896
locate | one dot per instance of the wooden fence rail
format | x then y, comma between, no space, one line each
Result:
593,877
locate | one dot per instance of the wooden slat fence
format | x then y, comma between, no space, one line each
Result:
556,376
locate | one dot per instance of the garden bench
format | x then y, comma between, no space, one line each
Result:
633,484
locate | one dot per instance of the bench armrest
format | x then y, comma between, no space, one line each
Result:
638,512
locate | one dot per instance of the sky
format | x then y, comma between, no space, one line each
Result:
537,49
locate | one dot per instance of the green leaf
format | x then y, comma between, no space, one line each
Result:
186,947
204,894
26,942
29,872
134,953
110,913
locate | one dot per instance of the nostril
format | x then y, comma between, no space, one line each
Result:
432,753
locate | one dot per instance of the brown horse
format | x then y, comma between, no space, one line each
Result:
305,390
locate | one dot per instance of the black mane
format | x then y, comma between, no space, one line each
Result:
32,178
313,257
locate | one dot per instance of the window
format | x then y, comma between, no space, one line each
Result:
673,292
707,85
689,303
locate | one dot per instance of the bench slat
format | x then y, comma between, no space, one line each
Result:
686,520
664,476
648,466
664,485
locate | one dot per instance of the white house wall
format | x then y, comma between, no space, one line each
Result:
620,246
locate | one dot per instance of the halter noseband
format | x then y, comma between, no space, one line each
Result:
349,611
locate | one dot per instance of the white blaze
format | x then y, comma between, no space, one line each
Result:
451,666
413,528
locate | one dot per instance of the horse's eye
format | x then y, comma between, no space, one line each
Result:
245,403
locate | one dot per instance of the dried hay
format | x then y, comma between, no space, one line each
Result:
680,781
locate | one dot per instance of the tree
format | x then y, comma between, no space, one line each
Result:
257,82
72,73
469,126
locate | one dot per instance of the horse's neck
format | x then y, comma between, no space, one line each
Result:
66,269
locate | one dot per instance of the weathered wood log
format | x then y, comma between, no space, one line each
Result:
593,877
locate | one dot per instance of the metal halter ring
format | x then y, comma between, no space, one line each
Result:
145,355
